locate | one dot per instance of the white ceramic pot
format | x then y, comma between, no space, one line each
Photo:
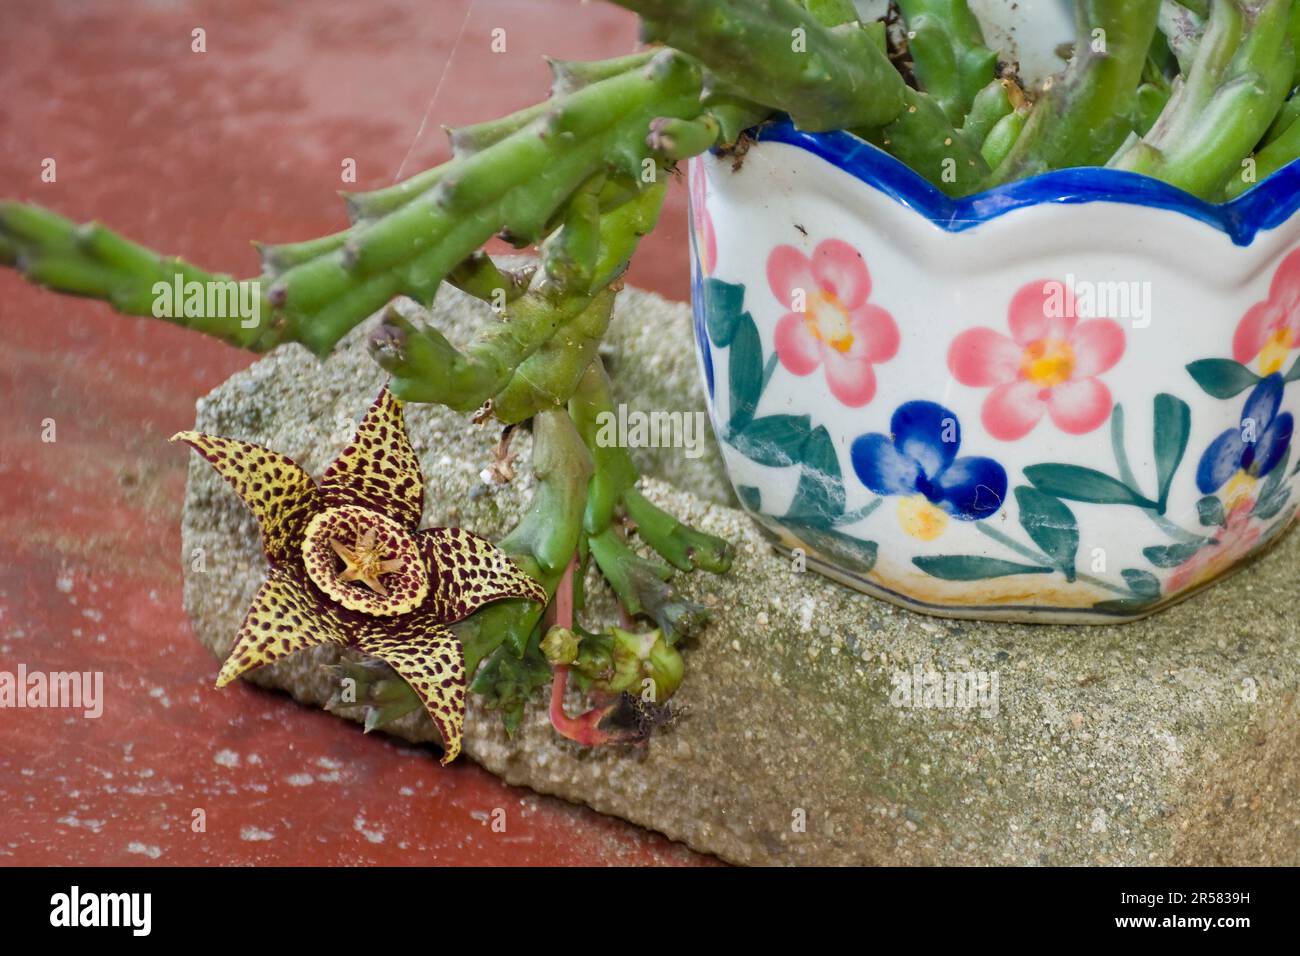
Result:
1068,398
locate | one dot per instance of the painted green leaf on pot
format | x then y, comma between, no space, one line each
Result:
1142,583
1210,511
1075,483
773,440
969,567
745,372
724,306
1268,507
819,497
1170,555
1293,373
1051,525
1274,479
1173,425
852,553
1222,378
1273,496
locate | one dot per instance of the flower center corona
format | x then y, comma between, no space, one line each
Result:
365,561
828,320
1275,352
921,519
1048,362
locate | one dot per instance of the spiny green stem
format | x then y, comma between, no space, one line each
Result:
549,377
613,485
426,367
1282,151
684,548
480,277
569,76
988,108
95,262
1086,114
1002,137
775,53
615,474
544,540
1182,30
924,139
949,56
514,186
407,238
1242,71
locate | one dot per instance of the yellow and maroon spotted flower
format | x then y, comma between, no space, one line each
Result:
349,567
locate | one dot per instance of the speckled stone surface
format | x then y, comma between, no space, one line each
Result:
1171,740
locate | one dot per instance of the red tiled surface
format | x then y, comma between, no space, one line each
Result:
196,153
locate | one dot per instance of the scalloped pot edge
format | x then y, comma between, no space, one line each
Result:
1071,398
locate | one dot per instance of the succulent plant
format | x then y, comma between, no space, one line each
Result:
1199,94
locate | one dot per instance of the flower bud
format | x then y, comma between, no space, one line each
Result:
560,645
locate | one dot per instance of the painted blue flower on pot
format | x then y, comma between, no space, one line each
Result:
1250,451
699,305
917,463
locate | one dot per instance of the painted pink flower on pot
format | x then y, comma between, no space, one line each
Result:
706,240
1049,364
1271,329
831,324
1236,540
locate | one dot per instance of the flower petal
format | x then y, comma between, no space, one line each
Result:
467,571
882,468
1272,445
972,488
840,269
788,269
706,241
1012,410
1262,405
1286,281
875,335
1253,331
378,470
796,346
430,659
281,496
1080,406
1220,461
851,380
981,357
928,433
1097,345
1041,310
287,615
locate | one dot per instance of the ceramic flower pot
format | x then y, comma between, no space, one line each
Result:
1069,398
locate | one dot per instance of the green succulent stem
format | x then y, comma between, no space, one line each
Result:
1087,112
1282,151
614,472
569,304
513,178
544,540
93,261
949,56
683,547
776,53
1240,75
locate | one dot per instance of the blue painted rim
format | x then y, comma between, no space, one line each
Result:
1266,206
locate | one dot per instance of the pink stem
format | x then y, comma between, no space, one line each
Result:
583,729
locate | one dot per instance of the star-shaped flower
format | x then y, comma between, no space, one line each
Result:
349,567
